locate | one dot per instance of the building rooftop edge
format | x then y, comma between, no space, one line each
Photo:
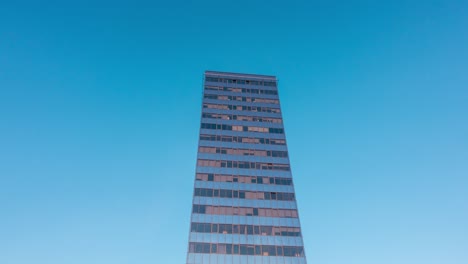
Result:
234,74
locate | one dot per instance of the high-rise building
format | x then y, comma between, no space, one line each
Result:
244,206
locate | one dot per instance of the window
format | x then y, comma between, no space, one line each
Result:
198,248
243,249
221,249
246,249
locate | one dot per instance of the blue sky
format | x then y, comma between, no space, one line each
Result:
100,109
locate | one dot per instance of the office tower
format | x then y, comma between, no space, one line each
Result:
244,207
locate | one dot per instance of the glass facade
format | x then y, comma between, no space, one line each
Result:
244,207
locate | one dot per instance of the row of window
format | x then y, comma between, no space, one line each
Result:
239,139
243,211
243,128
242,165
245,229
242,108
223,193
240,90
243,179
241,99
245,249
243,118
244,152
248,82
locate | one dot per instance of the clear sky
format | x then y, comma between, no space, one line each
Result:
100,107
